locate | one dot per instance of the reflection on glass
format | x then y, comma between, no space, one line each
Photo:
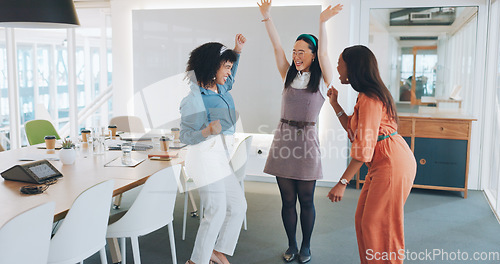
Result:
421,62
425,53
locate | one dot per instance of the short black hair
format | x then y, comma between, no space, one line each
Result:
315,69
206,60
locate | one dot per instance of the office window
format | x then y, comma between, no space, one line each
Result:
46,88
4,96
42,72
95,70
110,81
25,82
44,82
80,77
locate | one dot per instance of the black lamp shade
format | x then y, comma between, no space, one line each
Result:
38,14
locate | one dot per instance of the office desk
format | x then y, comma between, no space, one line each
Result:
87,171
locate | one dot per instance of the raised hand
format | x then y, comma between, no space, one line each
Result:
239,41
265,8
329,12
333,94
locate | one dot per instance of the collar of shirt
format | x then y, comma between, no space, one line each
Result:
301,80
207,91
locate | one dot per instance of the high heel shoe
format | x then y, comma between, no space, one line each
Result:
289,256
304,258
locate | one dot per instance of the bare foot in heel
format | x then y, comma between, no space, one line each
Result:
215,259
219,258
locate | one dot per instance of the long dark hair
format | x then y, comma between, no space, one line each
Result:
364,77
315,69
206,60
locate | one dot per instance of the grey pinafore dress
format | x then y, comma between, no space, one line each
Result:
295,152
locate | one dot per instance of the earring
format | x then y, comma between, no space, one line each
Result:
213,78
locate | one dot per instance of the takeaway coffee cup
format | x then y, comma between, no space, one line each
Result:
85,135
112,129
164,143
50,143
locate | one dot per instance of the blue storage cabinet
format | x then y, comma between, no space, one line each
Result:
441,162
441,148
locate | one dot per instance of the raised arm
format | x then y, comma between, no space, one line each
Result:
239,42
324,60
279,53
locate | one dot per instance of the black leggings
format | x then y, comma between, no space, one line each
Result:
304,190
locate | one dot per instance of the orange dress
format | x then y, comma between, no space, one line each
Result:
391,170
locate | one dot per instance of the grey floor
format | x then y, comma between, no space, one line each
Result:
435,222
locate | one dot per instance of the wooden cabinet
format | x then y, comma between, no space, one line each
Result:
441,147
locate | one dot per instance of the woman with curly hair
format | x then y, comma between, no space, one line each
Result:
294,157
208,120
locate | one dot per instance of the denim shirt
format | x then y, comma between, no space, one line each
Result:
195,111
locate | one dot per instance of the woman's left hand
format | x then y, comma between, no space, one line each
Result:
239,42
336,193
329,12
333,95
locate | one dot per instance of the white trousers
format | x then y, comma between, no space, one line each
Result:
224,210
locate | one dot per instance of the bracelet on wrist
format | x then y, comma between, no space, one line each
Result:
265,19
339,114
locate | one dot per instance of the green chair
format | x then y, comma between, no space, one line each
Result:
36,130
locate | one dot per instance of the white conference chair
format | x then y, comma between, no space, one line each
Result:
152,209
131,124
25,239
83,231
188,187
239,164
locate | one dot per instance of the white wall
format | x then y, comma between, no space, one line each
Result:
164,38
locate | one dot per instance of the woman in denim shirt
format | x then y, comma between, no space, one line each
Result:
208,117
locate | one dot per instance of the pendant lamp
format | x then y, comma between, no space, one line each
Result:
38,14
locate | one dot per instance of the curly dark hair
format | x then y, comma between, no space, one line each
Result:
364,76
315,69
206,60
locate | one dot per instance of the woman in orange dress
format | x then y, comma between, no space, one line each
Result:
372,129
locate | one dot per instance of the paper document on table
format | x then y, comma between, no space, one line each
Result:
117,162
39,156
177,145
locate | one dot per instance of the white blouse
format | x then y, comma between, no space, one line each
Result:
302,79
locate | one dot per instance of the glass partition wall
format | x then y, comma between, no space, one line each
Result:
4,94
425,54
42,71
